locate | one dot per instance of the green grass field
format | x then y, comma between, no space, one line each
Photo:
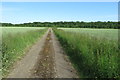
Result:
15,41
14,30
111,34
94,52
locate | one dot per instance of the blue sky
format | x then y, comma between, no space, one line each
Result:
22,12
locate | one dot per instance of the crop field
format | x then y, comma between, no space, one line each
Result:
15,42
14,30
94,52
111,34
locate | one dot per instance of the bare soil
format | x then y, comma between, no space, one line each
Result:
46,59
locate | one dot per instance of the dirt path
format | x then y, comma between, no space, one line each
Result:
23,67
46,59
45,65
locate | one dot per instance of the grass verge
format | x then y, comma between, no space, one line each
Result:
14,46
92,57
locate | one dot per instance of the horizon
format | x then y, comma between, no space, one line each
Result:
23,12
61,21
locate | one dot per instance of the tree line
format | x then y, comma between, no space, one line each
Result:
114,25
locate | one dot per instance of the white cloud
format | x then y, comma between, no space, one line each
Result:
60,0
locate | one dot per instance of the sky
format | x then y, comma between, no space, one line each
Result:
59,0
23,12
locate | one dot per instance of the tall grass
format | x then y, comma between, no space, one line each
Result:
14,46
92,57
